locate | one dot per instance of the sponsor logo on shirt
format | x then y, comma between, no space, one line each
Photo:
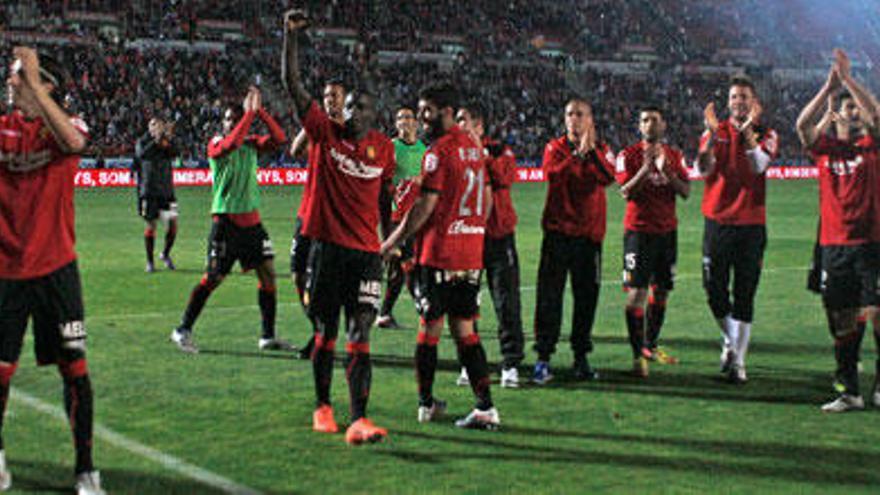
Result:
459,227
25,162
354,168
845,167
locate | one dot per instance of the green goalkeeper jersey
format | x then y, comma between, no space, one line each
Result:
409,159
235,188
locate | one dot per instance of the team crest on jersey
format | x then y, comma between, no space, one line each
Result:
371,152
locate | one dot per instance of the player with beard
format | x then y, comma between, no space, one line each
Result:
733,157
578,167
449,222
408,152
153,166
848,163
40,147
500,257
334,101
237,233
651,174
353,165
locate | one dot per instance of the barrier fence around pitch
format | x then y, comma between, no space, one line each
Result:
96,178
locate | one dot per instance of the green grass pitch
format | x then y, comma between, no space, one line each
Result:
246,415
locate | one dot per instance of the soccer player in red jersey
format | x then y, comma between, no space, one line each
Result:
237,232
578,167
40,148
353,165
500,257
733,157
848,162
449,222
651,174
334,102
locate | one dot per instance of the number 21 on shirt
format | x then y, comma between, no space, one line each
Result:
475,182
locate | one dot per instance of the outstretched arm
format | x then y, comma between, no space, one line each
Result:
294,22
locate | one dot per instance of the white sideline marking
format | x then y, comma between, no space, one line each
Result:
526,288
168,461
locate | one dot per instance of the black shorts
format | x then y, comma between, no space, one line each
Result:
55,303
850,276
228,243
150,208
649,259
455,294
338,277
299,248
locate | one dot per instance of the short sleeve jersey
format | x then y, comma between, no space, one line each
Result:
734,194
846,191
452,237
651,209
349,175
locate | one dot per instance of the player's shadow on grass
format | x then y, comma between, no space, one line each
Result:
802,388
290,356
713,344
848,469
34,476
378,360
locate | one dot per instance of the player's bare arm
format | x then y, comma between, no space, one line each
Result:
69,139
706,153
295,21
414,220
869,108
807,129
300,145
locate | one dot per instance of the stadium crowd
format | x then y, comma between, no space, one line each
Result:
500,63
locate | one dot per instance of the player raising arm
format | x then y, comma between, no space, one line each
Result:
849,256
237,232
352,164
40,148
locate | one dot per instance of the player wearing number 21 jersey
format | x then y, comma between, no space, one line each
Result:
449,223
